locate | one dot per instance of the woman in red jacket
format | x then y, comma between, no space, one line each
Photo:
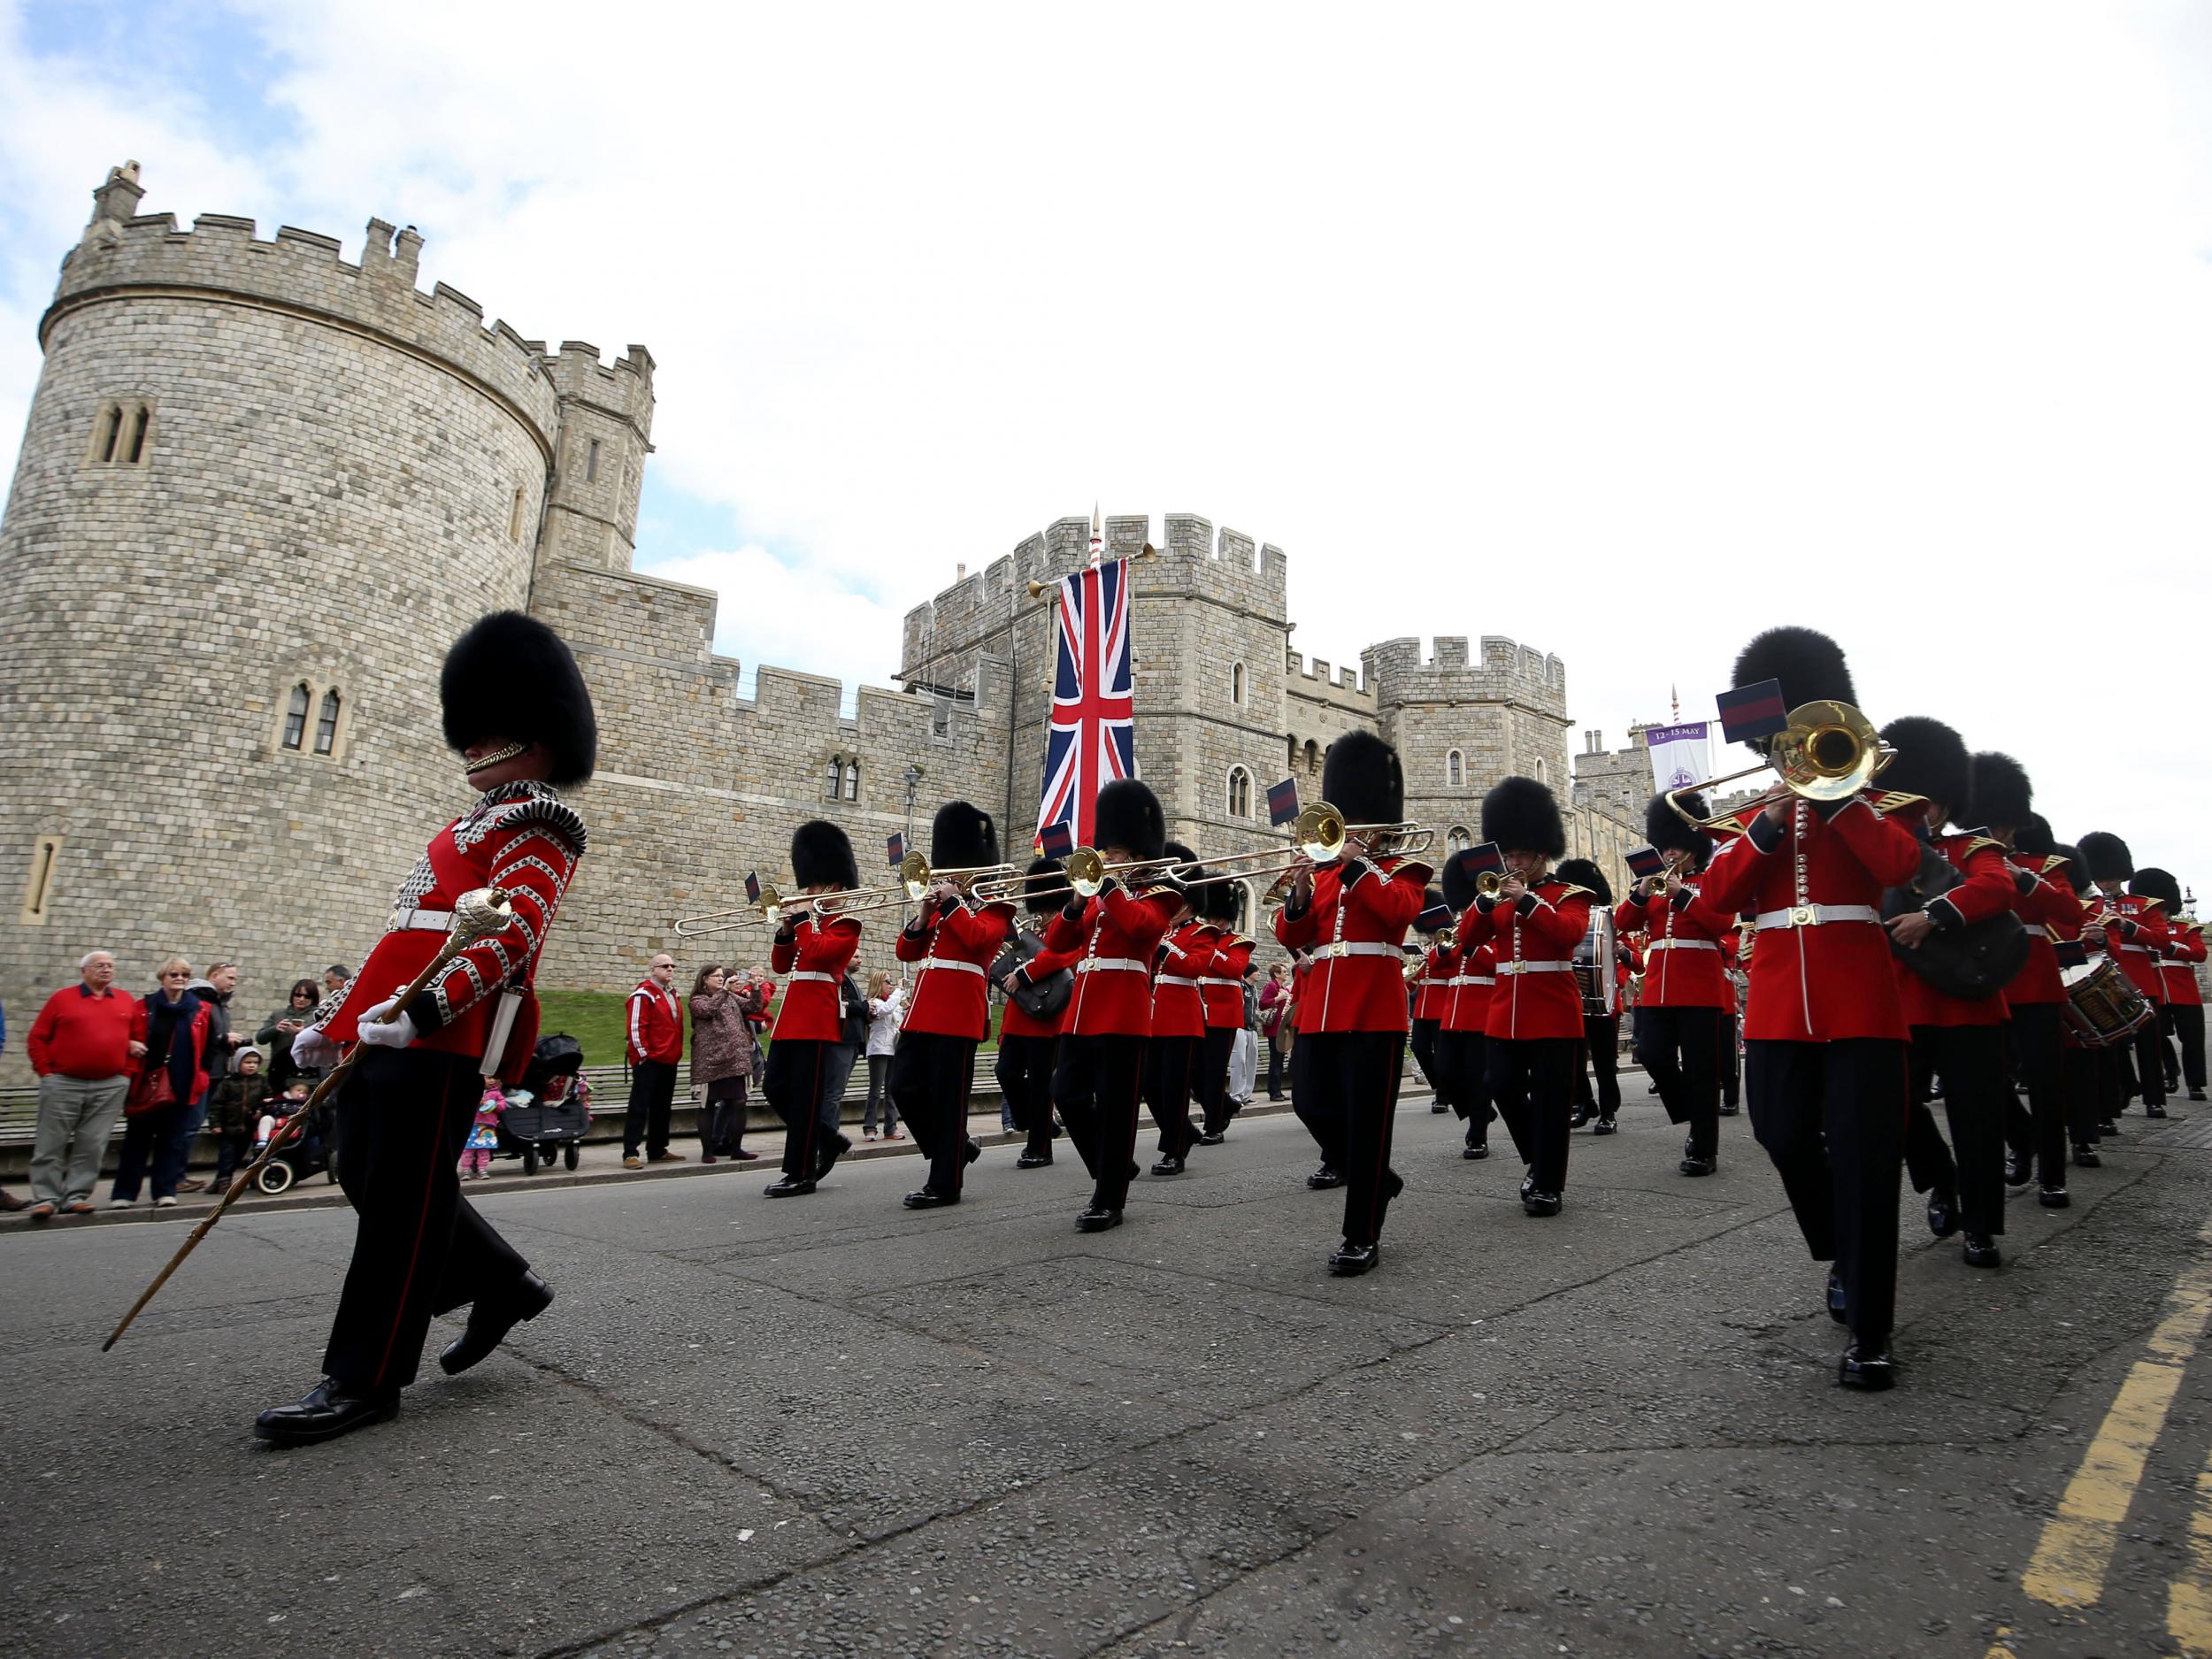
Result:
812,953
177,1024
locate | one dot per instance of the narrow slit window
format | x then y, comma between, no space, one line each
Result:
1454,770
295,717
109,431
514,516
1236,684
591,463
43,855
139,419
327,724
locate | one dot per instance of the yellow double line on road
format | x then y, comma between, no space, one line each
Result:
2075,1553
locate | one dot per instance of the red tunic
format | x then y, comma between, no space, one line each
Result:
813,962
1985,889
2184,949
956,948
2049,908
1186,955
1534,943
1682,959
1017,1023
519,836
1432,991
1474,980
1820,969
1113,943
2139,942
1355,926
1223,989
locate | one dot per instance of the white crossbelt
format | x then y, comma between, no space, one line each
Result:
948,961
1534,967
1118,965
419,921
1354,948
1177,979
1683,944
809,977
1814,915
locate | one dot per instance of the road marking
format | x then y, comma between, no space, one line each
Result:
2069,1567
2189,1598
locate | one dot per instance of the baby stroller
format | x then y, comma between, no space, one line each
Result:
306,1153
547,1117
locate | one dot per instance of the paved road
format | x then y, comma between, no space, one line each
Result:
833,1426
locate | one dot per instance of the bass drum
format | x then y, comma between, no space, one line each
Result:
2102,1005
1970,963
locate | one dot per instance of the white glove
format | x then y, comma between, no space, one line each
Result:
398,1034
314,1049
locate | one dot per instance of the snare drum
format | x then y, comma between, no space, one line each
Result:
2102,1005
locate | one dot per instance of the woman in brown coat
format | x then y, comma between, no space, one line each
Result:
721,1061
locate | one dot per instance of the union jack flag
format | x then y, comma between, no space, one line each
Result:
1093,739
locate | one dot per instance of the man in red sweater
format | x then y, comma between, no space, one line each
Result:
656,1021
84,1045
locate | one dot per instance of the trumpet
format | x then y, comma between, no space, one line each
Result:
1319,834
1829,751
1038,590
1087,872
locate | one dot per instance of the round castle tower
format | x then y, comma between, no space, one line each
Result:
260,492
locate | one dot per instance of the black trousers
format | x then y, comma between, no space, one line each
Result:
1024,1076
2113,1072
933,1076
1423,1040
2036,1048
1601,1037
2150,1065
652,1094
1095,1083
1970,1060
419,1248
1831,1117
1275,1068
1353,1079
2084,1087
1462,1059
1682,1050
1532,1080
1169,1062
1731,1062
807,1092
2184,1023
1215,1108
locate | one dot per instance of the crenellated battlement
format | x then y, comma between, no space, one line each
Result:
1502,670
127,254
624,385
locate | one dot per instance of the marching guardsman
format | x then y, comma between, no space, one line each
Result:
1533,924
1685,984
2158,886
2136,942
517,712
1825,1061
1959,1040
1222,989
955,938
1095,1080
1179,1023
1351,916
812,950
1432,990
1462,1048
2004,799
1601,1025
2095,1095
2184,1016
1027,1042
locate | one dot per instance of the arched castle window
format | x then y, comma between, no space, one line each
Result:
836,790
120,435
1543,772
852,780
1292,762
1243,891
1454,770
1313,756
514,516
1236,684
1240,793
327,724
1457,839
295,717
134,451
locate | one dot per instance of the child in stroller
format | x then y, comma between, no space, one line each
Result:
303,1155
546,1118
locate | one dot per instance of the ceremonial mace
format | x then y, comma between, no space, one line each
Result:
479,912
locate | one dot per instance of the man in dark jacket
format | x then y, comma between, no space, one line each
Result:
222,979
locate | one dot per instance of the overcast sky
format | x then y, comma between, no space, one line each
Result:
1622,331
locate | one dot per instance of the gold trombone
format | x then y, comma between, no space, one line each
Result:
1829,751
1319,834
1087,872
916,878
772,908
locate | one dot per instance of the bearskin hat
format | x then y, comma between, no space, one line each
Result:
1583,873
2077,868
1664,829
2106,856
2033,837
1435,914
1041,874
1932,762
1522,816
821,852
1809,664
510,677
1361,778
2153,883
2002,794
1128,815
961,837
1458,880
1217,901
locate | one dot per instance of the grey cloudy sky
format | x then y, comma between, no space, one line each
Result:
1623,331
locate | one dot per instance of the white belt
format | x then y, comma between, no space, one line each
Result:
1226,985
422,921
810,977
1350,947
963,967
1813,914
1534,967
1683,944
1119,964
2141,951
1177,979
1471,978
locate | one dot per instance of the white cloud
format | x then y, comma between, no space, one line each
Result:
771,613
1624,331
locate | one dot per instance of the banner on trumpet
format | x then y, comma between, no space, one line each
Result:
1646,862
1282,802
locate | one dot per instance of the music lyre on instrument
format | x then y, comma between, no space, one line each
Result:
477,913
